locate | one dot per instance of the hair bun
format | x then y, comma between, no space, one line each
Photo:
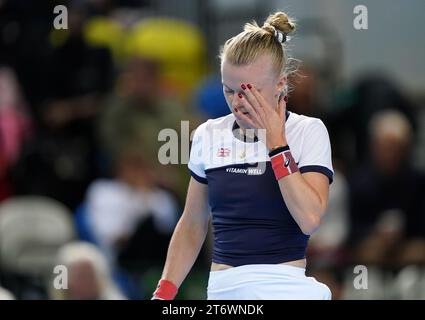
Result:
279,25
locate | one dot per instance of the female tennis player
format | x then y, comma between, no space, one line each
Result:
267,192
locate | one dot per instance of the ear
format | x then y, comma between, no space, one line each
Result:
281,84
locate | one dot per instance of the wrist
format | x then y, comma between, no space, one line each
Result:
277,148
166,290
283,163
274,144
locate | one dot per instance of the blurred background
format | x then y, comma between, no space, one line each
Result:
81,109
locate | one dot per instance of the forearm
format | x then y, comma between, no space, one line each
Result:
303,202
183,250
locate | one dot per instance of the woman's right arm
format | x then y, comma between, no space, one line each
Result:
189,234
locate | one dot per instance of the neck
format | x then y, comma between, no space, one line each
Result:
244,134
249,133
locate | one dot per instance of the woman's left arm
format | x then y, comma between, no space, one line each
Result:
305,194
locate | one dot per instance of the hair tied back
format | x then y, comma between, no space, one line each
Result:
280,36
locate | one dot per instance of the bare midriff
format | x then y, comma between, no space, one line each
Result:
296,263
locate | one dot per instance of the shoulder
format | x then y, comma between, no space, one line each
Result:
299,121
210,125
300,127
310,144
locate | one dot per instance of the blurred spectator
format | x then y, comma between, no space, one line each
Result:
387,206
131,217
89,277
61,160
15,126
135,114
135,205
57,163
354,108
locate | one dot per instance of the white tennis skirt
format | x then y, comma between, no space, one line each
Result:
265,282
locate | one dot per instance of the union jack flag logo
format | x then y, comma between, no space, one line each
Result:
223,152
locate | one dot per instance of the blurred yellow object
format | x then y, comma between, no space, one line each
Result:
105,32
179,48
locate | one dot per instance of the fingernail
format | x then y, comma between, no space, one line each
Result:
243,86
285,98
240,95
236,109
249,86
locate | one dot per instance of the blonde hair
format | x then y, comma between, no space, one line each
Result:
256,41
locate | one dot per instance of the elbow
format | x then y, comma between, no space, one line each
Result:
313,218
311,224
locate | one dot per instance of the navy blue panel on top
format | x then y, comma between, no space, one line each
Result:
320,169
252,224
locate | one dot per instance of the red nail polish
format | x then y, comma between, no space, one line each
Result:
240,95
236,109
249,86
285,98
243,86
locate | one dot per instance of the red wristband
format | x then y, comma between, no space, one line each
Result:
283,164
166,290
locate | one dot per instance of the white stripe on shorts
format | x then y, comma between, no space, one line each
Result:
265,282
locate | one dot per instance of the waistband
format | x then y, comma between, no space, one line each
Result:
261,270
